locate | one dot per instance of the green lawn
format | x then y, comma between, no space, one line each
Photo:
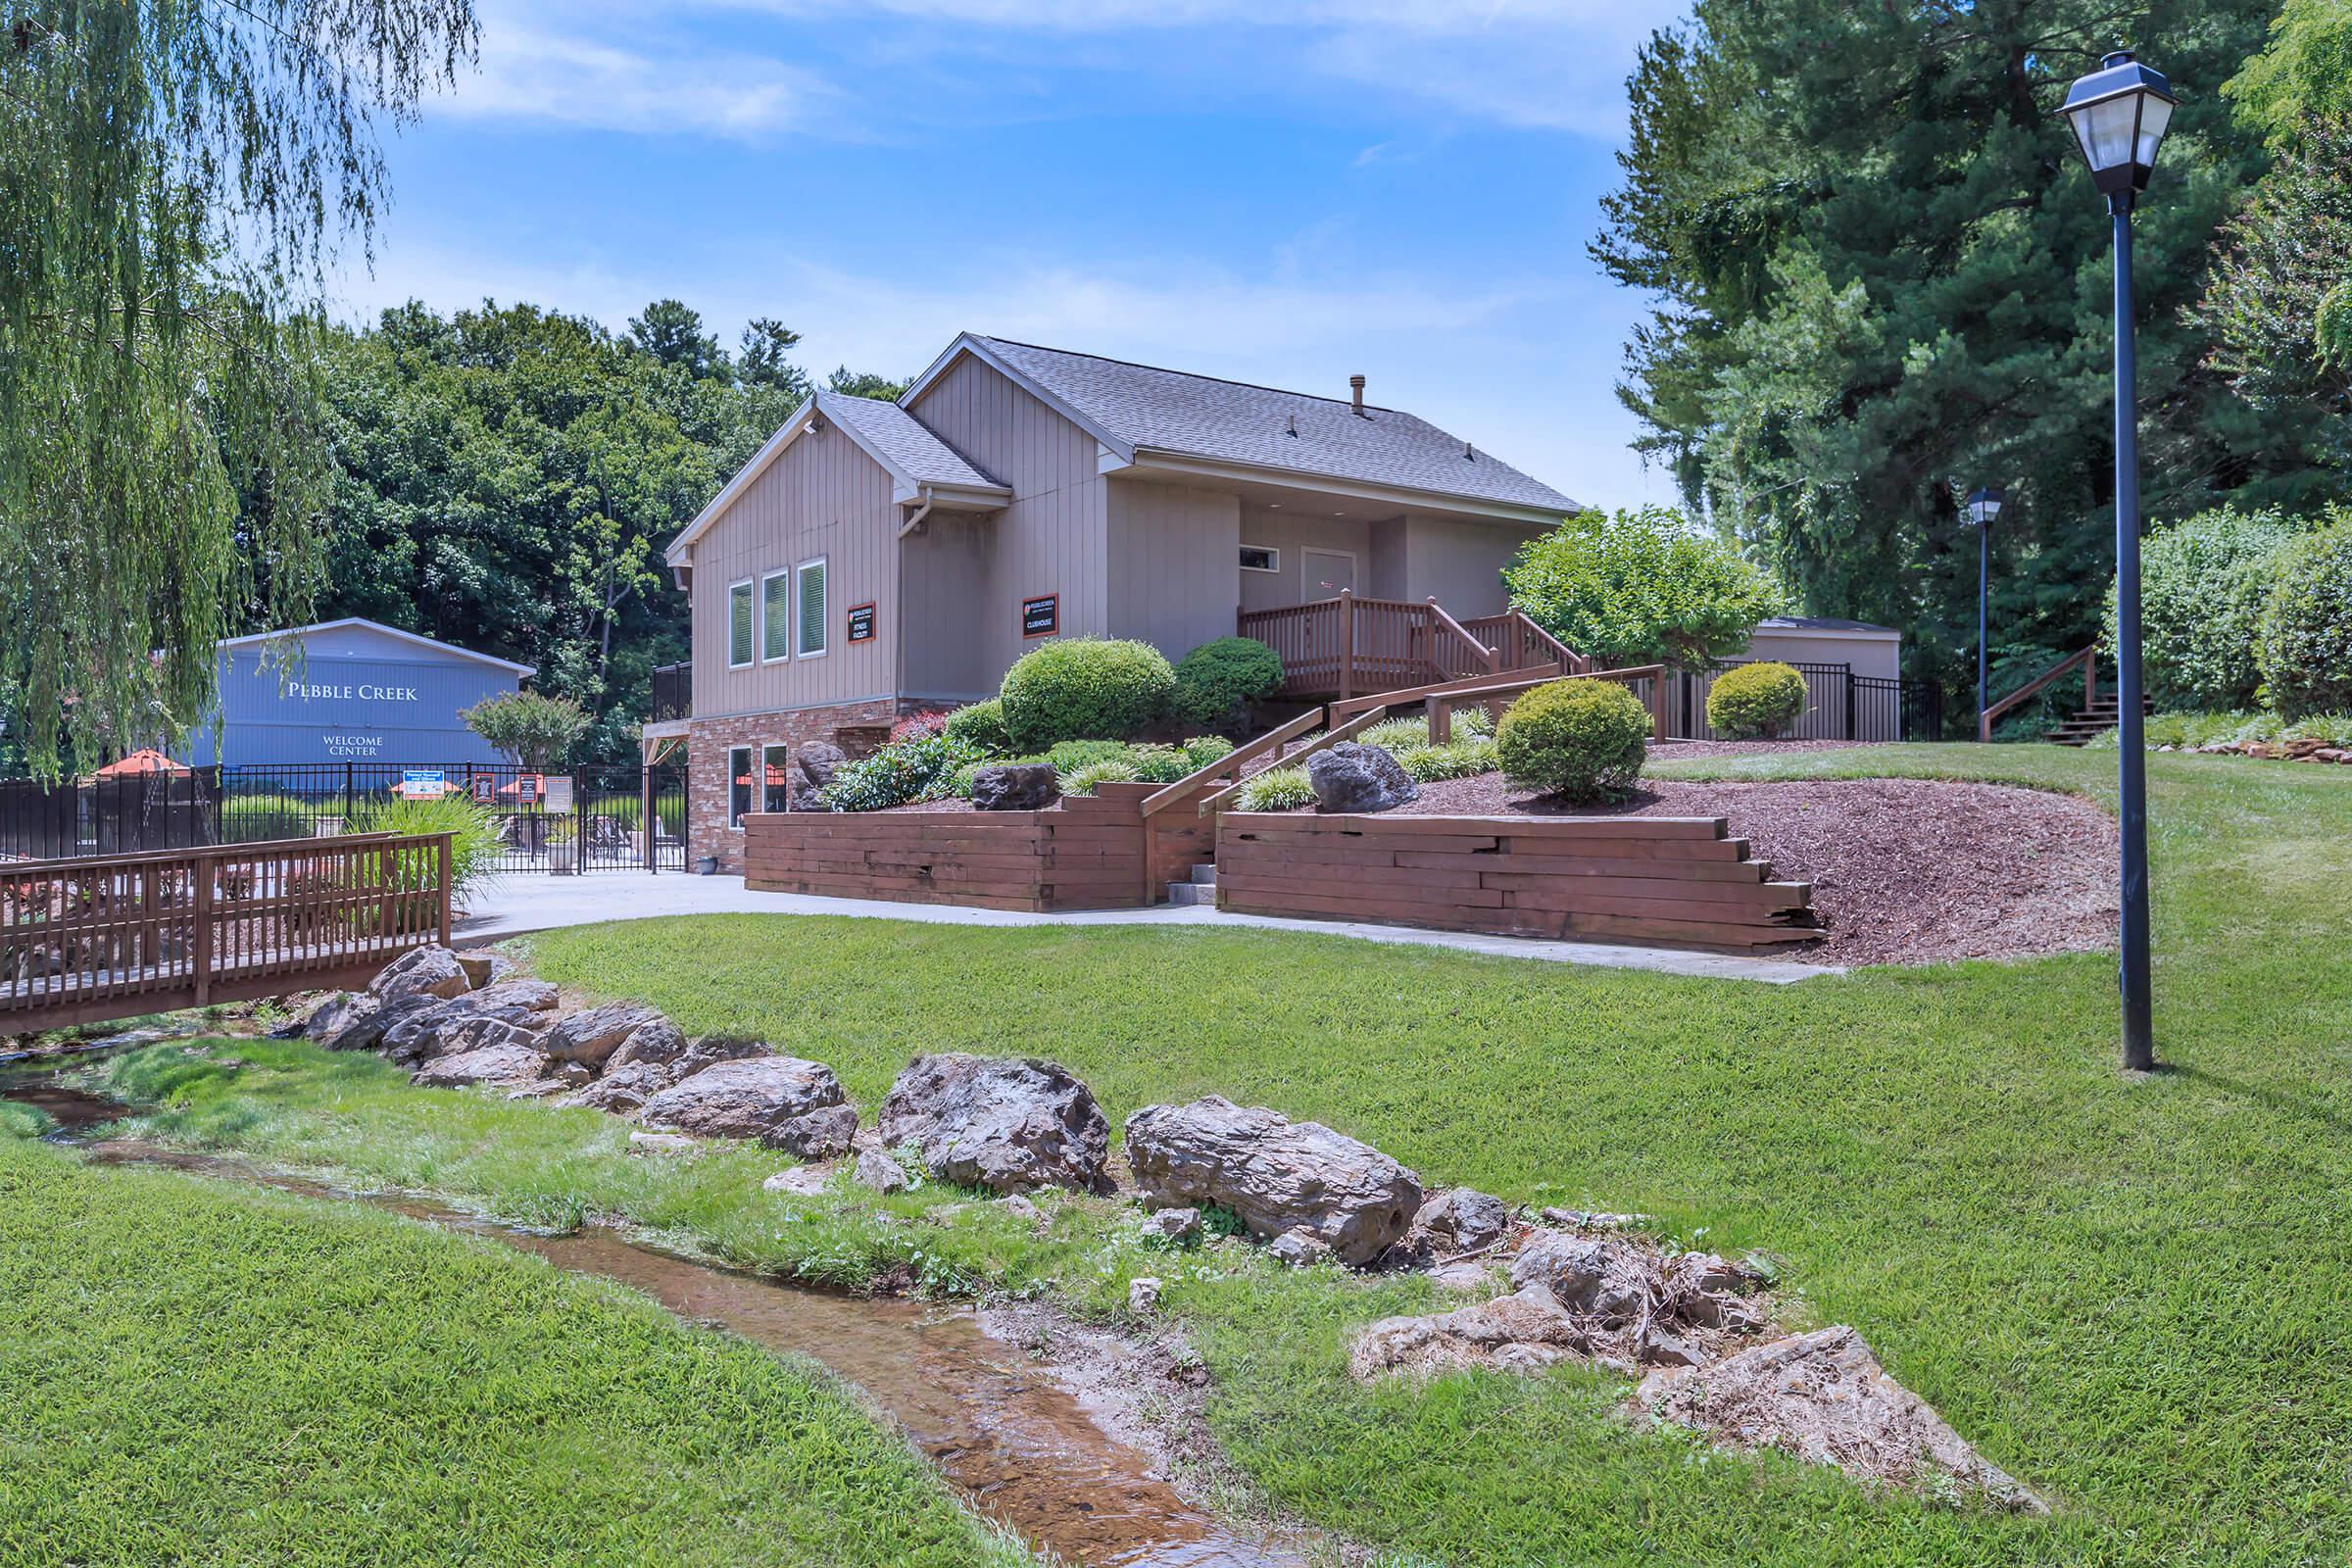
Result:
2128,1293
194,1373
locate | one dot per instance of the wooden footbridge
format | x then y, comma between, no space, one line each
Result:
85,941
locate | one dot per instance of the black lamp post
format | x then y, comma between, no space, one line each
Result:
1983,505
2119,113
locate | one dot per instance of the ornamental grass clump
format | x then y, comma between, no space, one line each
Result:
1580,740
1085,689
1277,789
1759,701
1110,770
1465,758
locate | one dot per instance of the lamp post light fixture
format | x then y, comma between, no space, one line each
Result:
2119,113
1983,505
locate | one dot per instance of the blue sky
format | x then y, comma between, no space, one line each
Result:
1285,193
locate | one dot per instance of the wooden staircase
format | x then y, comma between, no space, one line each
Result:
2092,720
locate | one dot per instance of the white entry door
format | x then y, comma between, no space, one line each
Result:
1327,572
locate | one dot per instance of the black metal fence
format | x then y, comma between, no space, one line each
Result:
674,692
601,818
1840,705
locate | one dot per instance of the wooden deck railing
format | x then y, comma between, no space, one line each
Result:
1648,681
2085,657
1520,644
116,936
1349,645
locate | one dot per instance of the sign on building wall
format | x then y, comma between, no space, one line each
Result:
1040,616
861,623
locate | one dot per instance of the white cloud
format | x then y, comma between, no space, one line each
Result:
653,83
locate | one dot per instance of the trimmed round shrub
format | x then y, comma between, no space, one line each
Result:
2304,644
1762,699
1084,689
1217,681
1582,739
980,724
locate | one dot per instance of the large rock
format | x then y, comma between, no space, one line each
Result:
363,1027
1524,1332
1600,1277
1349,777
1824,1397
1003,1123
502,1062
426,1032
812,769
421,971
824,1134
654,1057
488,968
338,1012
1016,787
622,1089
593,1035
658,1042
1450,1225
754,1098
1277,1174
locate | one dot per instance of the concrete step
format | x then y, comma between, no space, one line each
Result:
1204,872
1193,894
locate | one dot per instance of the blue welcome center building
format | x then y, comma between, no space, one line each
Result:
361,691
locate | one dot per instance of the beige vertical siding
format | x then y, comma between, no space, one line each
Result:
1054,537
1388,577
1880,656
1460,564
824,497
1290,529
943,571
1175,564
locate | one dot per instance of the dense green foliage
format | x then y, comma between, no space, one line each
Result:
1217,681
1644,587
1762,699
2279,300
475,846
1085,688
1883,276
2186,731
2304,72
2203,583
179,178
921,767
210,1374
1582,740
980,724
2304,643
536,731
2112,1286
507,477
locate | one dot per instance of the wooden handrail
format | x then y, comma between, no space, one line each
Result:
118,862
1362,720
2087,657
1497,685
1231,762
1437,614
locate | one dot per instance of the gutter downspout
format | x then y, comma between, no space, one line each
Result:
920,513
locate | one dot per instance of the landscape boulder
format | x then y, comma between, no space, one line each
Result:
1349,777
1598,1277
1016,787
502,1062
1450,1225
428,1031
879,1172
1824,1397
593,1035
1003,1123
823,1134
485,968
1524,1332
421,971
622,1091
1173,1227
813,767
363,1027
1277,1174
757,1098
339,1012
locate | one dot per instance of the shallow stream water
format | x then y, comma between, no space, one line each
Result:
1008,1436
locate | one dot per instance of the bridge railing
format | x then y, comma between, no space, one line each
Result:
115,936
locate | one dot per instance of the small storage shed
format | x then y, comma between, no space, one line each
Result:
358,692
1874,652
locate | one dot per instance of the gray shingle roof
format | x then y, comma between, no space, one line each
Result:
900,437
1236,422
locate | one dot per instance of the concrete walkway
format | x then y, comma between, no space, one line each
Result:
514,904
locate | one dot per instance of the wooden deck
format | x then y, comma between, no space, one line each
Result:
85,941
1344,646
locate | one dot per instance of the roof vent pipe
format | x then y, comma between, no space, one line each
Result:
1355,387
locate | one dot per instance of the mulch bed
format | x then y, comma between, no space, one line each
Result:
1903,870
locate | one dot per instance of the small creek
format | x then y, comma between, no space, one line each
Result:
1018,1444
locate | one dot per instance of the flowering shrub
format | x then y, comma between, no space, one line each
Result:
922,769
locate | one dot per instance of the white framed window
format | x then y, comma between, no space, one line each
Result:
740,643
774,791
810,584
775,617
739,784
1261,557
